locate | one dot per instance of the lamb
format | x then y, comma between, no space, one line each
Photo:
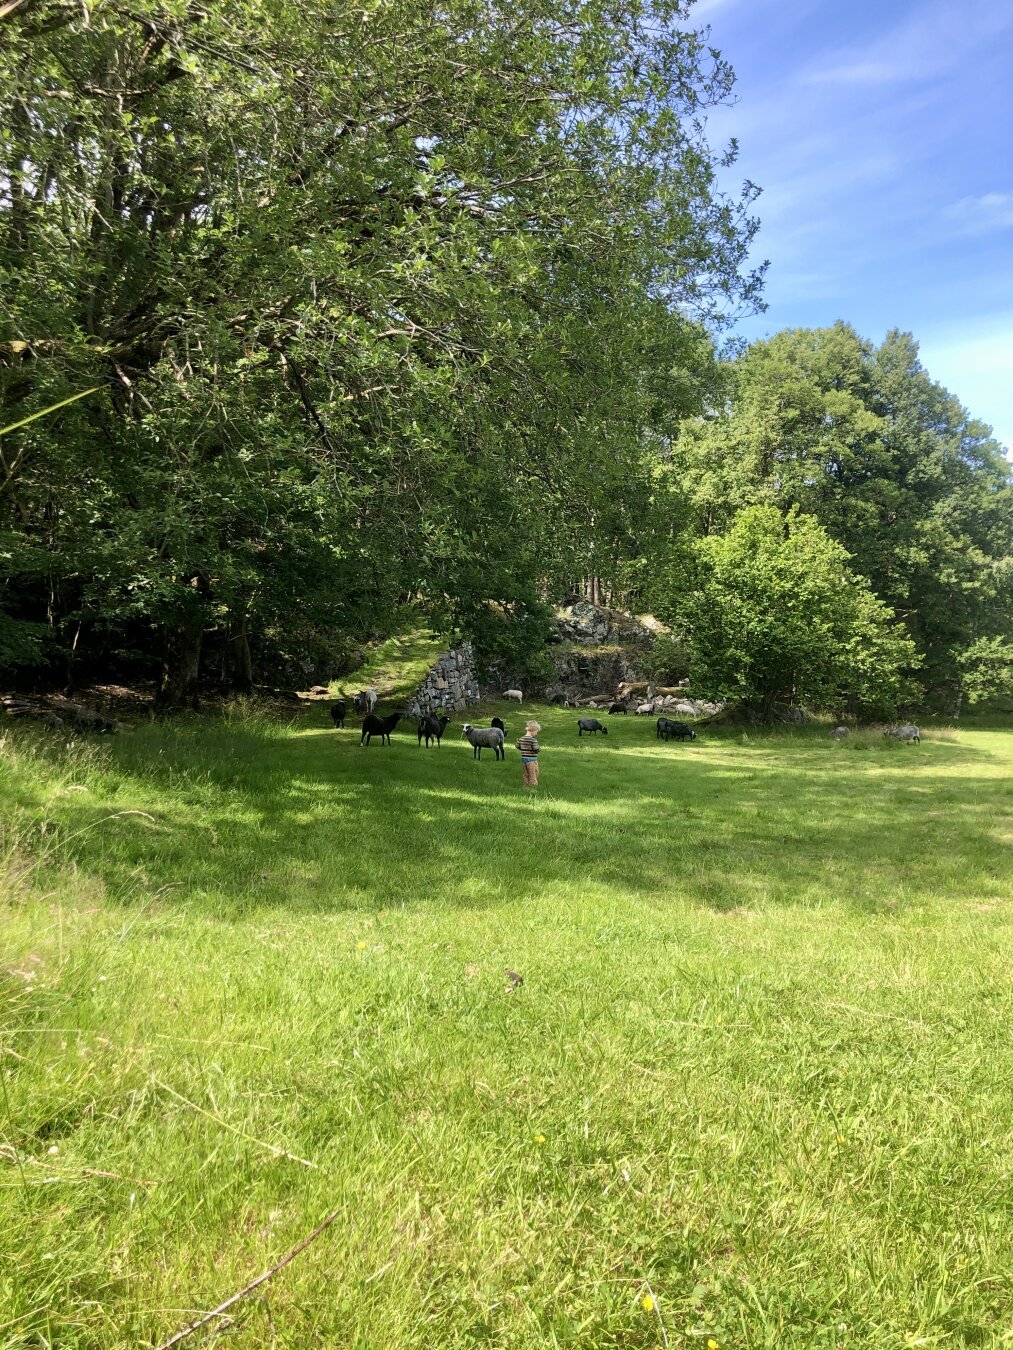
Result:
338,712
618,708
591,725
678,730
498,722
489,738
378,726
839,733
645,709
908,732
513,693
432,728
365,700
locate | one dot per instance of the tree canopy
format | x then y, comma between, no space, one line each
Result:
381,301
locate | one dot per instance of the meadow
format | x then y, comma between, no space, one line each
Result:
756,1088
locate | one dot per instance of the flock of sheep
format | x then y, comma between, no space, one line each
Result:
431,726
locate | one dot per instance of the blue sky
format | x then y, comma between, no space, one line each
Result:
882,136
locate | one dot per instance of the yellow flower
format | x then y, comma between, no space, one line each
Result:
360,945
711,1343
648,1302
539,1138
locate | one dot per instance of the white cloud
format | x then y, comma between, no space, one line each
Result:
981,215
930,41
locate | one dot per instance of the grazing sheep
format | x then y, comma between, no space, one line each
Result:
489,738
645,709
618,708
338,712
53,722
432,728
677,730
839,733
591,725
498,722
908,732
513,693
379,726
560,700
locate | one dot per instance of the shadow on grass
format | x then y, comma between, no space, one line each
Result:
256,815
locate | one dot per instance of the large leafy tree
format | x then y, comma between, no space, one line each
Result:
364,287
886,459
774,617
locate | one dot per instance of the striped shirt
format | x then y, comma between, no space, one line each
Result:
529,747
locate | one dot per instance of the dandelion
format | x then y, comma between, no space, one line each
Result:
539,1139
647,1303
712,1343
361,946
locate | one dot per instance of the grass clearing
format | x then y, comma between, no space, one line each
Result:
754,1090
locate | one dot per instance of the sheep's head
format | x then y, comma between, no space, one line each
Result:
466,728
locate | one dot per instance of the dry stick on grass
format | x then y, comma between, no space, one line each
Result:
249,1288
261,1143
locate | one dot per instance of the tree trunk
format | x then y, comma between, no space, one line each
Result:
181,665
240,662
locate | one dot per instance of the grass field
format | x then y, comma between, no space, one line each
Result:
755,1090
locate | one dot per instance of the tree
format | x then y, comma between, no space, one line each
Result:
773,616
893,467
356,283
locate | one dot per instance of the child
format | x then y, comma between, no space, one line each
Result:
529,747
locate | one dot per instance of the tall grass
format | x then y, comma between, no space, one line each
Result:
753,1090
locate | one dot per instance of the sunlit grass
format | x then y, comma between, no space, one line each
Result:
753,1090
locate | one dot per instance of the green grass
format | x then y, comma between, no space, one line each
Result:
758,1074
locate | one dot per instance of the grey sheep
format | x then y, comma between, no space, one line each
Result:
488,738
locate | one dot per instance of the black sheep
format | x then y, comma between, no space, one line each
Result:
591,725
679,730
338,712
378,726
432,728
498,722
618,708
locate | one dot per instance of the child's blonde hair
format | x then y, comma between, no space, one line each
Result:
533,726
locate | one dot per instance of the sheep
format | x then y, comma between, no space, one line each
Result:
839,733
513,693
908,732
560,700
485,737
618,708
645,709
365,700
378,726
498,722
432,728
591,725
338,712
678,730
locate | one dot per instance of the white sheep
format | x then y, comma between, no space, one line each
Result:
513,693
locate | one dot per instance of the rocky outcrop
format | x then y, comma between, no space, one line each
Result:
450,685
583,622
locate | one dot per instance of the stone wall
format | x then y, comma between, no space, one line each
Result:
450,685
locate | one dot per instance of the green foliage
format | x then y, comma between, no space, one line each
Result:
988,669
774,616
356,285
891,465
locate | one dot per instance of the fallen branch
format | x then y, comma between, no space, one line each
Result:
249,1288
